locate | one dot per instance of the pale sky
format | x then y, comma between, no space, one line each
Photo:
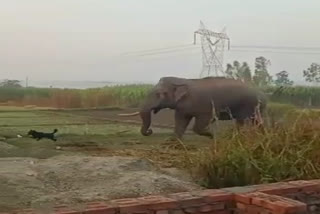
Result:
84,40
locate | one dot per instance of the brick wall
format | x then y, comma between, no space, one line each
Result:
296,197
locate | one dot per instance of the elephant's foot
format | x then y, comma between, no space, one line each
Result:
174,138
208,134
147,132
204,133
171,139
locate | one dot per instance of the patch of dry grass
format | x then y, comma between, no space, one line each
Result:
285,149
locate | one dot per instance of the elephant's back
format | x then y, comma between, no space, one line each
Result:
221,87
225,92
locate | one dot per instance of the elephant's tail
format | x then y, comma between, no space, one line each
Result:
258,112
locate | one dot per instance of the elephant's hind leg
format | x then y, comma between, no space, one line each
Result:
201,126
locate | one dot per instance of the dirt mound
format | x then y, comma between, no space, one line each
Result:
41,184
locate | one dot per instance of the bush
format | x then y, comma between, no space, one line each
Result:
303,96
127,96
285,150
131,96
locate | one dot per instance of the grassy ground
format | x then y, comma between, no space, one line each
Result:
286,149
84,134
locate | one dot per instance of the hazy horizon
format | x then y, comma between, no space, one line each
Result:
82,40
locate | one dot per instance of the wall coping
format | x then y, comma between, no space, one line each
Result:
268,197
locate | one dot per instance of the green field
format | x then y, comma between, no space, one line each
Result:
289,142
130,96
89,136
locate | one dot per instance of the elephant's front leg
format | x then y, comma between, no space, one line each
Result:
181,123
201,126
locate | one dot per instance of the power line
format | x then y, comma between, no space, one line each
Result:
168,51
277,47
240,50
183,47
279,52
156,49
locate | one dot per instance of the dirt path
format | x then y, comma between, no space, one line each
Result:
93,159
163,119
72,180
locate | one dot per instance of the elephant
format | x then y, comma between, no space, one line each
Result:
196,98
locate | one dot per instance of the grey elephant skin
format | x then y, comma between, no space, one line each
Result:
231,99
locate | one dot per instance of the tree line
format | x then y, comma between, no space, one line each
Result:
261,77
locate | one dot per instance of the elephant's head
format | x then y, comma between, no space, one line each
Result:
166,94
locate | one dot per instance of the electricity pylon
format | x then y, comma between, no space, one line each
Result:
212,51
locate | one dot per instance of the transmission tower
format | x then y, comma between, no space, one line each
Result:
212,51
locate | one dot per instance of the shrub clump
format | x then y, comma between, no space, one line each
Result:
286,149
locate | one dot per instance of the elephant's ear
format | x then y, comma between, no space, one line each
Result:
180,92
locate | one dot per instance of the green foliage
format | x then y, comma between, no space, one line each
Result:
230,71
242,72
18,94
10,84
283,79
245,73
304,96
261,76
279,110
285,150
312,74
127,95
131,96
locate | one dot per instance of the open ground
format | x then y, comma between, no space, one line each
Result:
93,132
46,173
100,155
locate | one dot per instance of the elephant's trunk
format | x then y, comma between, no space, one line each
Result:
151,104
146,122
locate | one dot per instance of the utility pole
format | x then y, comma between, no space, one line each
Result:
212,51
27,82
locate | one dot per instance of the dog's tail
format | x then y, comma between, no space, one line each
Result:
55,131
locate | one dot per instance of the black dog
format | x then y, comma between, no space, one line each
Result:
40,135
